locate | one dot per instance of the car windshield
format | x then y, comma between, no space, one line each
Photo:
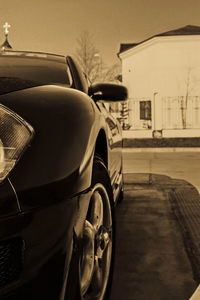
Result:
18,73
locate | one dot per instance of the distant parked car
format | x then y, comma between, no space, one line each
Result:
60,176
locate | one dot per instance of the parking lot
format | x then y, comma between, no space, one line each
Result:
157,253
181,163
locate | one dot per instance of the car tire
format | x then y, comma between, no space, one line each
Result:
121,196
97,257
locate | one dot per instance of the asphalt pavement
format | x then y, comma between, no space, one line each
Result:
158,238
180,163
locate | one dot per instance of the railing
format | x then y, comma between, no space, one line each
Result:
145,113
181,112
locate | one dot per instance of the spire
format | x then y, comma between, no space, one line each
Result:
6,45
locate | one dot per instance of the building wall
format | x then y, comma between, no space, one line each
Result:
161,68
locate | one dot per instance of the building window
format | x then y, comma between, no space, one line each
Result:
145,110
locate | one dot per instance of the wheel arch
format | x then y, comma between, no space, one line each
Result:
101,148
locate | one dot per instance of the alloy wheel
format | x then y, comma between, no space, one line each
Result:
97,246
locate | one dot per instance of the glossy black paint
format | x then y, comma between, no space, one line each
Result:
108,91
47,234
63,120
8,200
45,200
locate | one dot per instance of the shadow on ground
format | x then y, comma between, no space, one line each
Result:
157,255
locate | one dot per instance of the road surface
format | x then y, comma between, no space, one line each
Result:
181,163
151,259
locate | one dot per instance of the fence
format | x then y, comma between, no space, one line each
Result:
181,112
176,112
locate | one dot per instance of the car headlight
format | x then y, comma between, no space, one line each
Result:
15,136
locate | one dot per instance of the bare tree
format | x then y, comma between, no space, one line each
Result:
88,56
113,73
91,61
184,99
190,84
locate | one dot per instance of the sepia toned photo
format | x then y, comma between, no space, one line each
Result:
100,150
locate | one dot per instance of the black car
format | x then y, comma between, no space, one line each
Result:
60,176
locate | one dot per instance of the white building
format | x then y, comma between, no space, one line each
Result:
162,74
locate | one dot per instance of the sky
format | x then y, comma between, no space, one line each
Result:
55,25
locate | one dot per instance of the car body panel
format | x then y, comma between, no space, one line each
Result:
63,127
8,199
47,248
114,136
45,200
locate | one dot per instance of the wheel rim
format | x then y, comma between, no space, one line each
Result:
97,246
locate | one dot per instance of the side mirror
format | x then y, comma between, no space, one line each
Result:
108,92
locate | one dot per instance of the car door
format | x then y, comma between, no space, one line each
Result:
114,143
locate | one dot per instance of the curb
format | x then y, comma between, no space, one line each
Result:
164,149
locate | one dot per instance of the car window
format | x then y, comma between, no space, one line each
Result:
79,79
18,73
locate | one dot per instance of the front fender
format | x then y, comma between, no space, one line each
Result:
64,120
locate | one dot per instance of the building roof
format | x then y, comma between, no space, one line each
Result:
124,47
186,30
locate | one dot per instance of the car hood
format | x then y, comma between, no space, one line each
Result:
64,120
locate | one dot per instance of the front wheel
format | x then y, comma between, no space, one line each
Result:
96,262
